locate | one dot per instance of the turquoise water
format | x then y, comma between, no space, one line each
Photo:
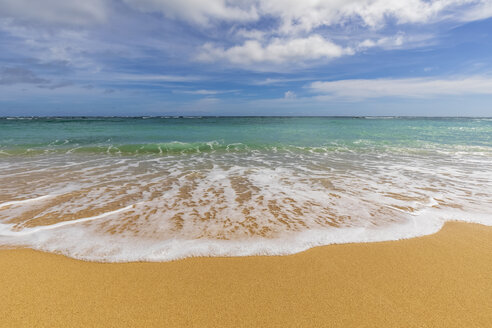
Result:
157,189
174,135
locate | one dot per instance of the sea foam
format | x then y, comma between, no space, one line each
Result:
269,203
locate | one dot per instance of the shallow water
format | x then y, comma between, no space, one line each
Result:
157,189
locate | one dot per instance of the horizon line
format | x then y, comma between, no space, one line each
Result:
236,116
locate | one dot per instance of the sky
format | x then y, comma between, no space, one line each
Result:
246,57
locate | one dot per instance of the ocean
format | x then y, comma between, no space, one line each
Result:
163,188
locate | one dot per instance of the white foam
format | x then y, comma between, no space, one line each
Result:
6,229
17,202
273,203
87,245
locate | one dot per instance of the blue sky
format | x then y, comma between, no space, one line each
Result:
245,57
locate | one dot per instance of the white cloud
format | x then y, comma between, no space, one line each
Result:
204,92
63,12
296,37
199,92
310,14
250,34
256,34
277,51
306,15
199,11
481,11
384,42
58,45
408,88
289,95
155,78
294,16
279,81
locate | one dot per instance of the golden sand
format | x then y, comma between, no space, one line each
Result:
442,280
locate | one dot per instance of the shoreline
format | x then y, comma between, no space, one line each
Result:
437,280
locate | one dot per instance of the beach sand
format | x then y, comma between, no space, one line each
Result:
442,280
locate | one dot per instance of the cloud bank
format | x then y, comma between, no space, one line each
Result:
406,88
242,51
269,32
55,12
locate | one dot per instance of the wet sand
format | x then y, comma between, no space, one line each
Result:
442,280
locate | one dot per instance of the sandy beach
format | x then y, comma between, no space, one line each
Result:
441,280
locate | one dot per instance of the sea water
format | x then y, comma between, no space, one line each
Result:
162,188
